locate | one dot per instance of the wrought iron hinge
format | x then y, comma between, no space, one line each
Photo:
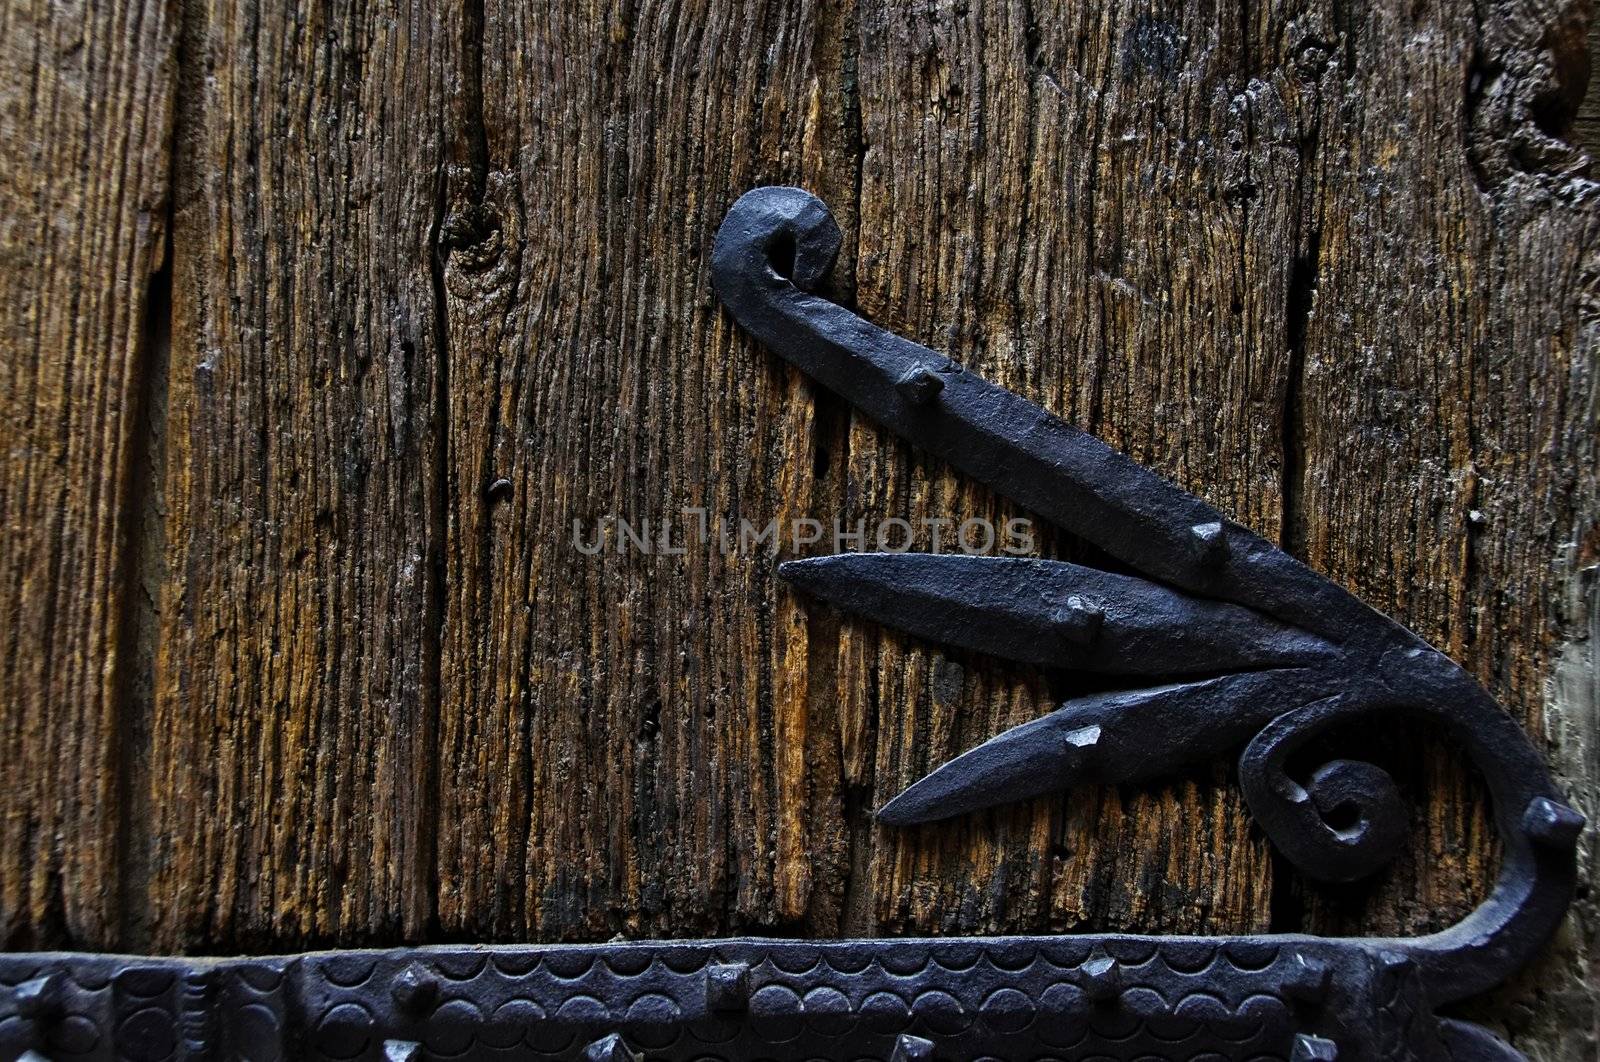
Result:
1269,655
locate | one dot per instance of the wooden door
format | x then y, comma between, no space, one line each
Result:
324,324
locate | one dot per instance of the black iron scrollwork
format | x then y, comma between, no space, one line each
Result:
1268,655
1281,652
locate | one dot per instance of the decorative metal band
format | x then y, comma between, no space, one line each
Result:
1270,655
1013,998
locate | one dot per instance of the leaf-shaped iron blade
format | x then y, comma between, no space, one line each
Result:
1038,757
1054,614
1124,736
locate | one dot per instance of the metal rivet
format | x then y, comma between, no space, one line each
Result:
911,1049
1396,964
41,998
1307,979
1079,622
1313,1049
415,987
727,986
1209,543
1083,737
609,1049
1102,978
401,1051
1552,824
919,385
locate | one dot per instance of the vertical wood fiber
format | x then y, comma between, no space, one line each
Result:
86,96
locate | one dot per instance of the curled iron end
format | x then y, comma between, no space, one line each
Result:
774,238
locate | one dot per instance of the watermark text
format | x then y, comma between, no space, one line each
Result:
696,529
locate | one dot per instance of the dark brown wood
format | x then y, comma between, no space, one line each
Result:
1447,405
86,94
293,735
440,289
1086,240
625,740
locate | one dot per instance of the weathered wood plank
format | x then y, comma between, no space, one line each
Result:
291,769
85,110
1089,205
626,741
1448,395
1451,417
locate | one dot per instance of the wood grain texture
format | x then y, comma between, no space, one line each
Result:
292,752
86,96
626,739
1107,218
1171,228
1448,399
441,310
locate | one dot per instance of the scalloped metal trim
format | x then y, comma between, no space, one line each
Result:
1111,997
